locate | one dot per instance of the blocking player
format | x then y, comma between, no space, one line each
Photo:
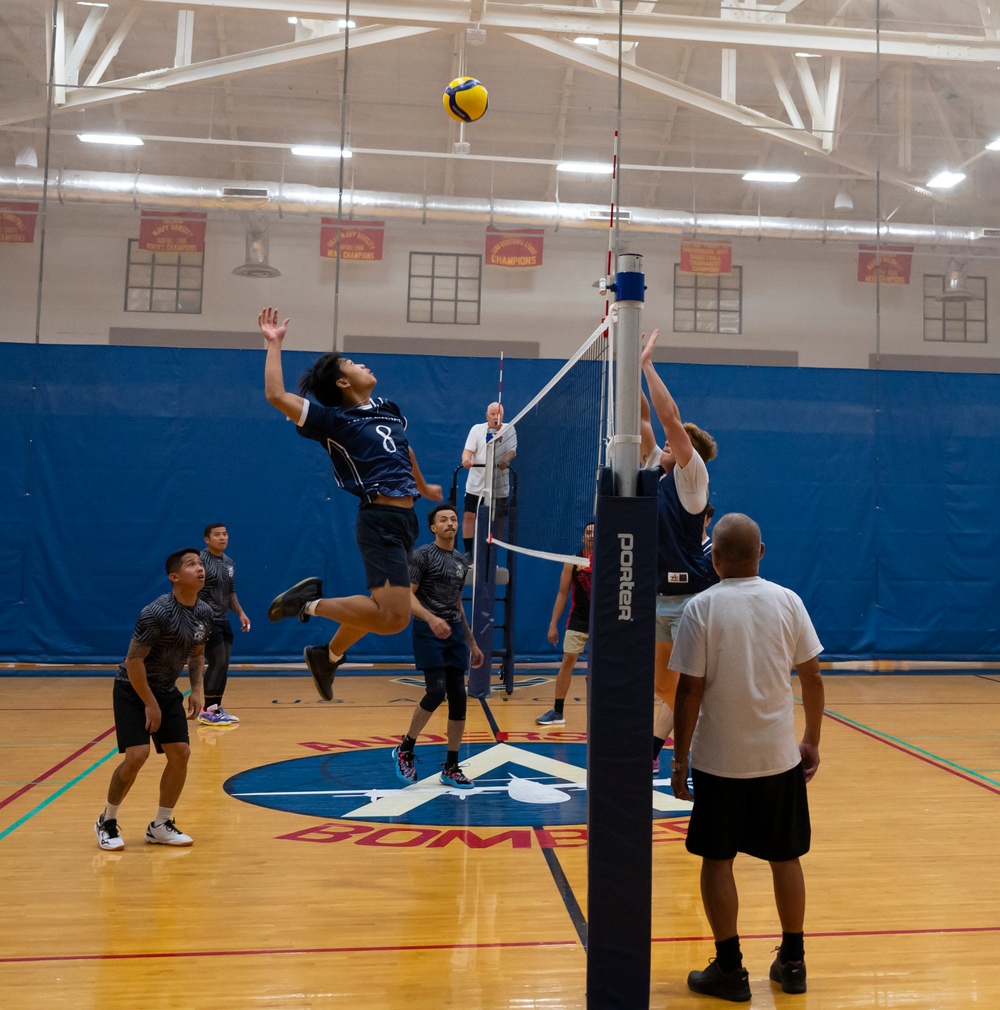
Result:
365,437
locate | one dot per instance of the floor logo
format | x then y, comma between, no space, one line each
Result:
515,784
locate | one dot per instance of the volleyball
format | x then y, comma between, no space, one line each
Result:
465,99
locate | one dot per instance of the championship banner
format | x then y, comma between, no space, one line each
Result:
702,258
520,247
17,222
172,232
359,240
888,264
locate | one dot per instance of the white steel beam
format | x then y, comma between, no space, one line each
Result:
84,41
831,104
811,94
185,38
111,49
228,66
727,91
784,93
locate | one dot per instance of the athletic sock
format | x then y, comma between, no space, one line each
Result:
792,947
407,744
310,607
558,705
163,814
335,657
452,759
658,743
111,811
728,954
213,700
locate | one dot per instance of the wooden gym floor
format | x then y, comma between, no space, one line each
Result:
444,902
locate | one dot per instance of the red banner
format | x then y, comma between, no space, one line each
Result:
702,258
168,231
521,247
889,264
359,240
17,222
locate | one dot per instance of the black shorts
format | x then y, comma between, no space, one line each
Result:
764,817
386,535
222,631
472,502
430,652
130,718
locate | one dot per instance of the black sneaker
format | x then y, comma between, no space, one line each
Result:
713,981
291,601
108,835
317,658
790,975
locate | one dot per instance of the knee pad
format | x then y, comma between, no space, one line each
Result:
431,700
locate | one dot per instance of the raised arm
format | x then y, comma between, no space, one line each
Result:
666,409
290,404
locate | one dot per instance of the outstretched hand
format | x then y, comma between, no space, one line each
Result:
273,332
647,349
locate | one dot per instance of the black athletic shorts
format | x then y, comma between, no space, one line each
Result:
130,718
429,651
222,631
472,502
764,817
386,535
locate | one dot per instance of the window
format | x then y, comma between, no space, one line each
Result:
955,321
163,282
708,303
444,288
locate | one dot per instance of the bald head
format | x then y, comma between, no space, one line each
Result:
494,415
736,546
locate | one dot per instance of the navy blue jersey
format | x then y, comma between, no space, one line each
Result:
367,446
172,631
220,582
681,566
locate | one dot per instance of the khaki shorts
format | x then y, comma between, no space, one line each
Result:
668,615
575,642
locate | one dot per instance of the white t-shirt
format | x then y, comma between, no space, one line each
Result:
691,481
506,442
744,636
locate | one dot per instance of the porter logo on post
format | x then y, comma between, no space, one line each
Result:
625,580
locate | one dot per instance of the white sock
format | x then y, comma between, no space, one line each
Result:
334,657
310,607
111,811
163,814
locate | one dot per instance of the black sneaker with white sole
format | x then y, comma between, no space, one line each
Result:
322,668
291,601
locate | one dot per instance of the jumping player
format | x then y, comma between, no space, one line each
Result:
365,437
682,568
442,643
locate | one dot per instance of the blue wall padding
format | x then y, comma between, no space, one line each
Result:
877,493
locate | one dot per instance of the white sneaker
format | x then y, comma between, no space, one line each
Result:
108,835
166,833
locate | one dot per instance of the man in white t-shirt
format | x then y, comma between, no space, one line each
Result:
474,460
735,646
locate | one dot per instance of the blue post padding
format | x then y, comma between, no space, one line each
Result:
483,604
620,754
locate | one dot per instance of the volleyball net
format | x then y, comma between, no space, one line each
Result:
545,464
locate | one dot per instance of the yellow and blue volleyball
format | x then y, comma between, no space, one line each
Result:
465,99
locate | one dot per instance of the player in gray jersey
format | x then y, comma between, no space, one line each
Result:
170,631
442,643
220,594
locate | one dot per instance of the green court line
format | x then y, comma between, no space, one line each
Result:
913,748
69,785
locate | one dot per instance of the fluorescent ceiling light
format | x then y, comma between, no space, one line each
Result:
810,56
761,176
318,151
585,167
945,179
993,145
346,24
587,40
117,139
89,3
293,20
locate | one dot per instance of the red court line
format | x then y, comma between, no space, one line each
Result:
834,933
62,764
933,762
392,948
